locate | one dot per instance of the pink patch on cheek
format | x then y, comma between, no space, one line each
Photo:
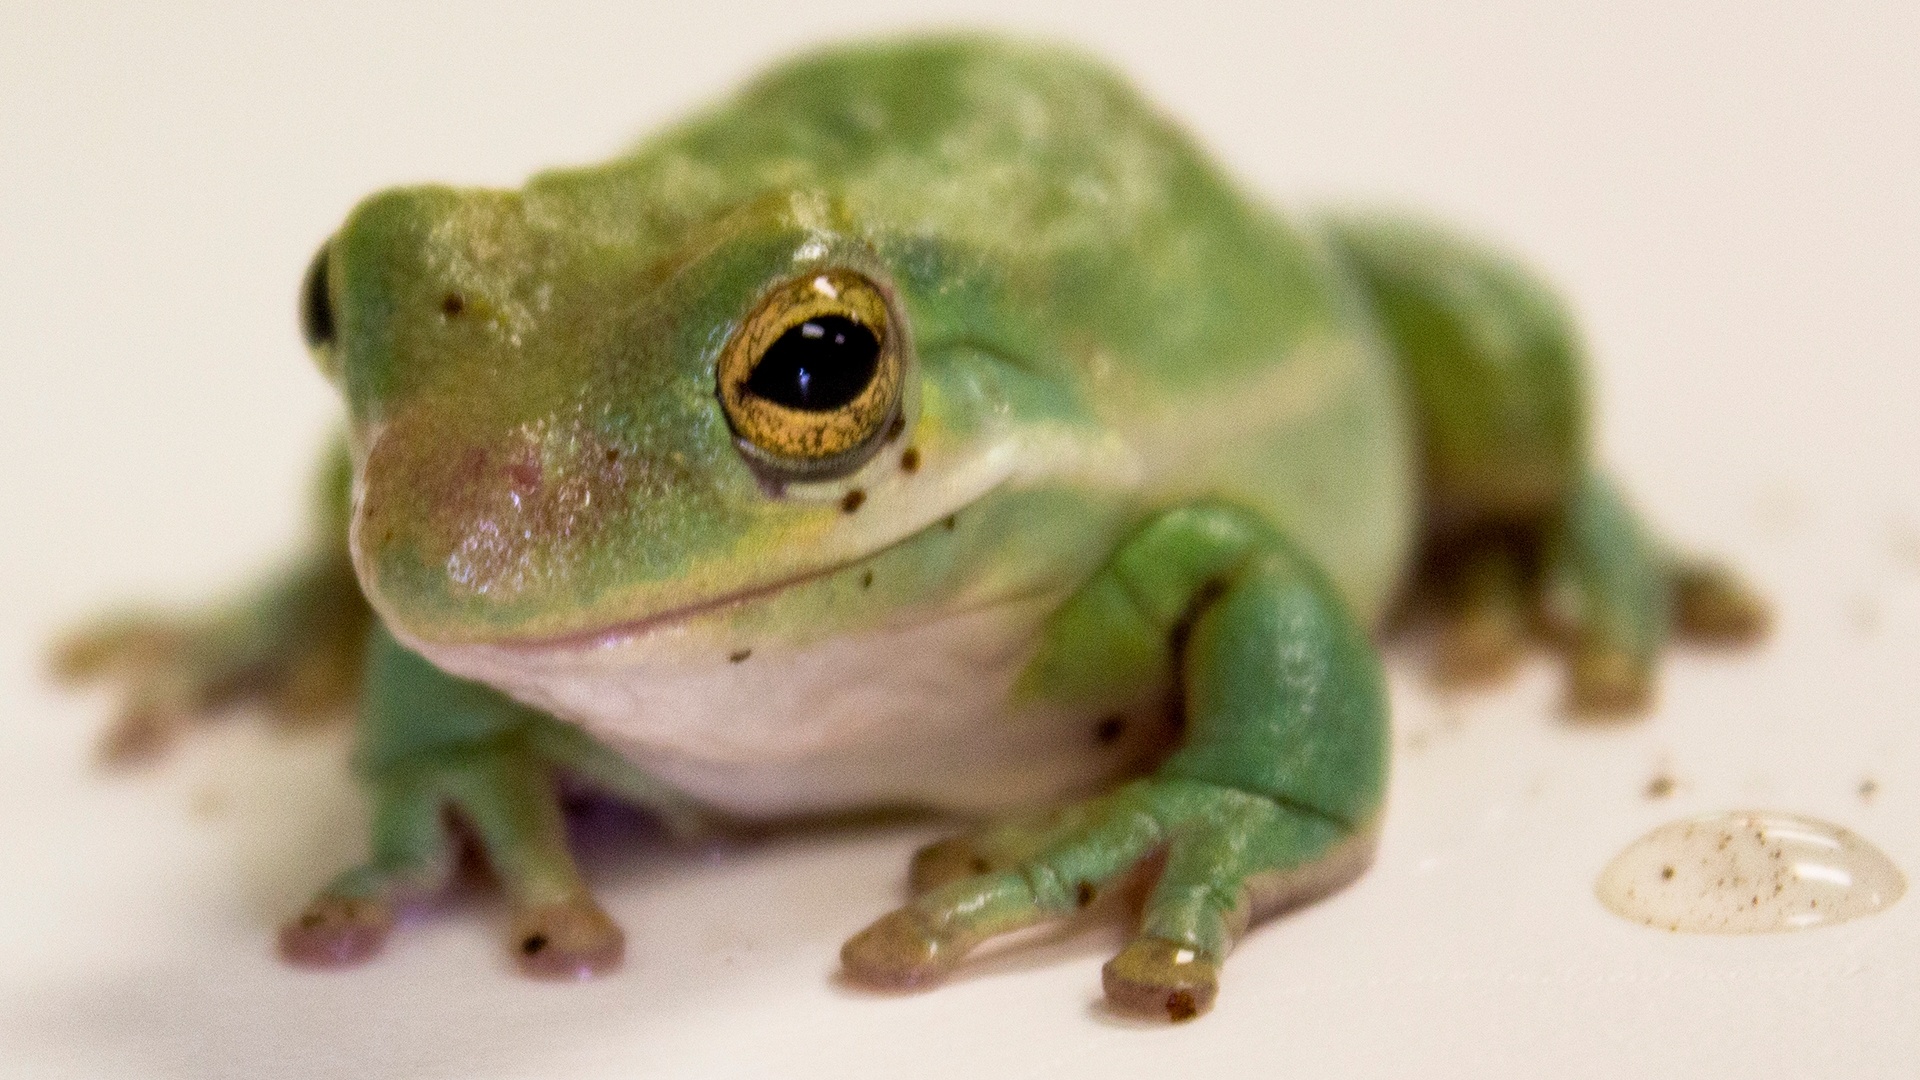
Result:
525,473
499,521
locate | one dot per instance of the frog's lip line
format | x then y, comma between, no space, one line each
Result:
621,633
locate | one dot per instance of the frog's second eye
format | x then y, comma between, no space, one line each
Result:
811,380
316,305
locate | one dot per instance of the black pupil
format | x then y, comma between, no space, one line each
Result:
316,308
817,366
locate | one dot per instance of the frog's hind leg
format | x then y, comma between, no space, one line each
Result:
1524,539
292,645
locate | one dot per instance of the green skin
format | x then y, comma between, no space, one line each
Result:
1218,442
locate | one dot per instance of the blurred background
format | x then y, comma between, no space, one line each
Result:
1725,191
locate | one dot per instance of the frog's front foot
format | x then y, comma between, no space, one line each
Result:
1152,977
1230,857
496,798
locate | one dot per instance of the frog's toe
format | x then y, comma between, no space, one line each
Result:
116,645
1607,682
944,862
144,729
899,951
1161,979
572,939
1479,648
1712,605
337,931
999,846
1484,633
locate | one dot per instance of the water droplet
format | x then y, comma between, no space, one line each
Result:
1748,872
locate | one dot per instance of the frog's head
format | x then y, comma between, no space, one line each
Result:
565,425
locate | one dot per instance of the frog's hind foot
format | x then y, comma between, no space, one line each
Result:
1484,634
151,658
176,673
1713,606
1592,583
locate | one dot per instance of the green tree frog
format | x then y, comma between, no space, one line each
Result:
933,424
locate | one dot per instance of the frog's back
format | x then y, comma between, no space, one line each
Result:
1033,204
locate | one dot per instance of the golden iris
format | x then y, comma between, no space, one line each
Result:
812,378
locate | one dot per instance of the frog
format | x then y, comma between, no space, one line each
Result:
932,425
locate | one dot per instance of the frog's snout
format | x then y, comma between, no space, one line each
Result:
494,521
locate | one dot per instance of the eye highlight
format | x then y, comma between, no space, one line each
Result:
812,379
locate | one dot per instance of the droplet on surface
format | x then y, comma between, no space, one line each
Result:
1748,872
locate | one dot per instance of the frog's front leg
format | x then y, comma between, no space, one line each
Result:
435,747
1270,800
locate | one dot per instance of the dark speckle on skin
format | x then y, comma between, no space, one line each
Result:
739,656
1109,729
1660,786
452,304
1666,873
1176,711
533,944
910,459
852,500
1869,787
866,579
951,523
1082,894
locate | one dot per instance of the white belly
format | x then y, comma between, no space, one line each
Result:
916,715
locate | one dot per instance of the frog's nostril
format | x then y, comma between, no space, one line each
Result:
316,304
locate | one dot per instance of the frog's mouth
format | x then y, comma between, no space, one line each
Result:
633,630
673,634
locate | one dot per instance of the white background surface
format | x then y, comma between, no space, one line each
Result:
1726,190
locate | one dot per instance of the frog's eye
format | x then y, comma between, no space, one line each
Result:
811,380
316,314
316,306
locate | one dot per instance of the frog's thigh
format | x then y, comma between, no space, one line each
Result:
1493,361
